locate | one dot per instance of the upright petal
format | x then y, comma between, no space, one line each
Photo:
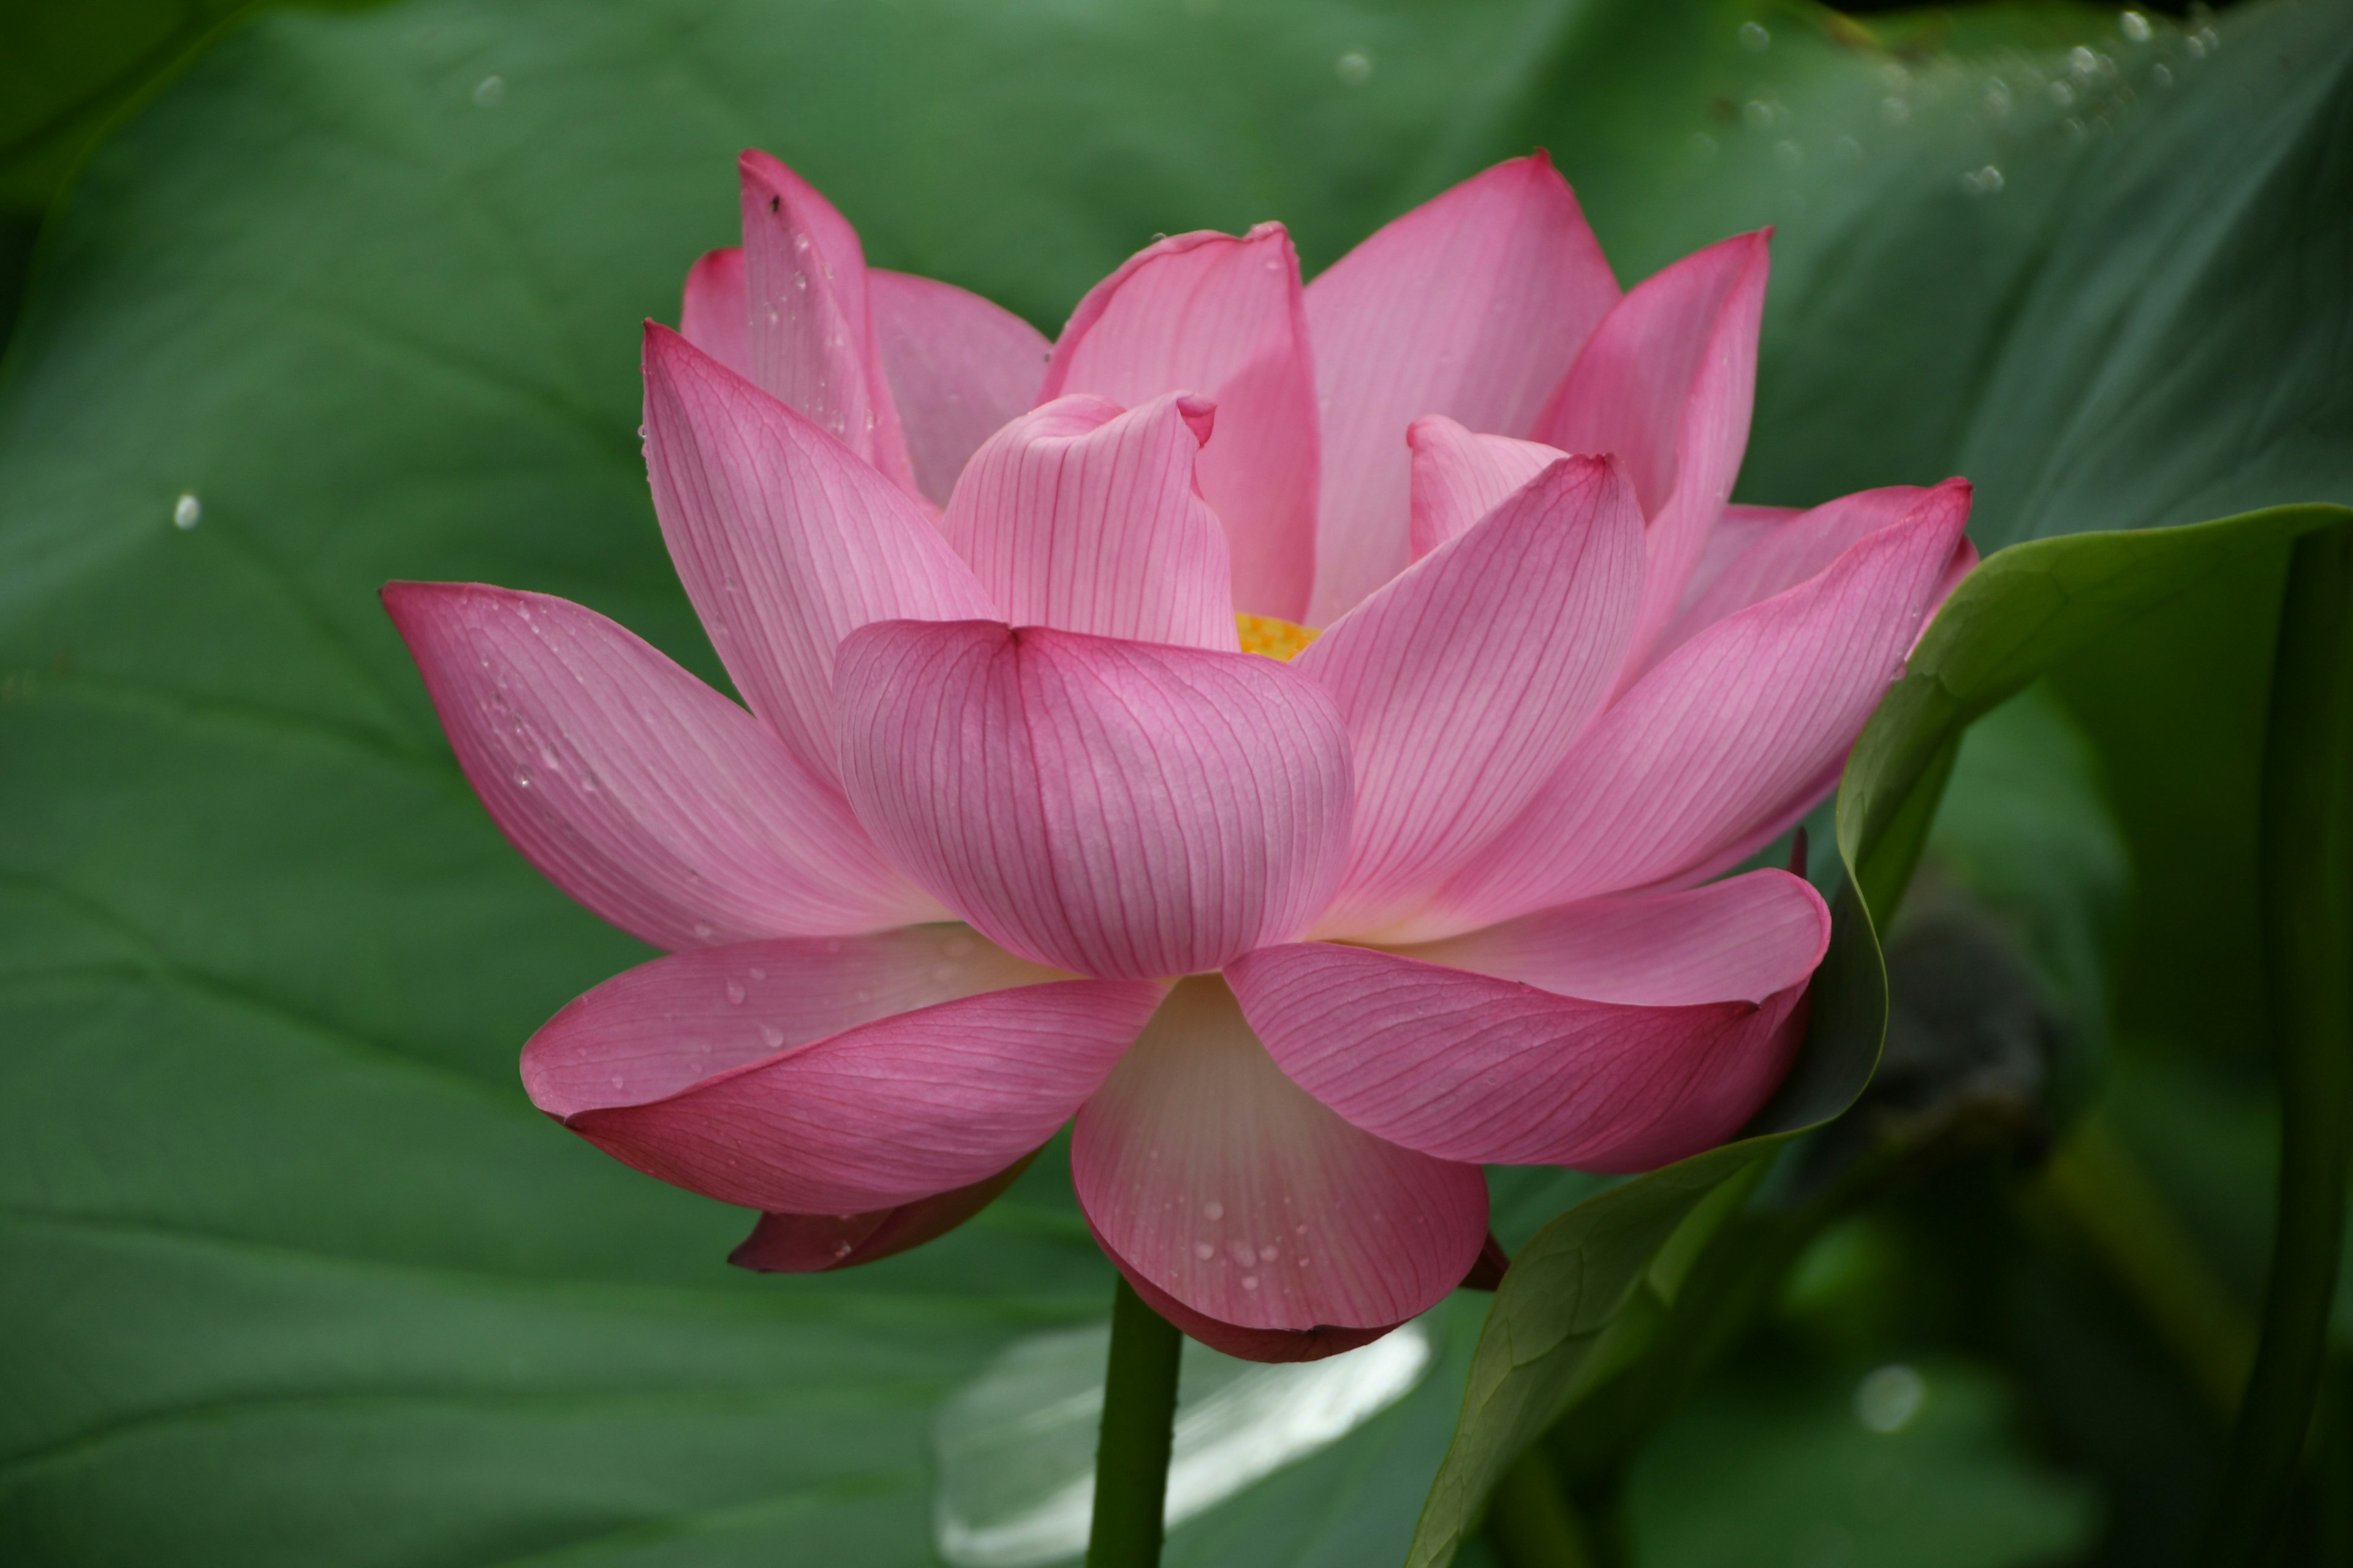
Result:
1465,681
785,541
1211,314
712,316
819,1243
1117,808
1735,529
811,324
1473,305
1667,383
1086,518
1727,735
1702,1017
1459,476
794,1076
654,800
958,366
1212,1176
1782,556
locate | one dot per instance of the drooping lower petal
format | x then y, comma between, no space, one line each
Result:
1667,381
1459,476
1718,741
778,1076
818,1243
1264,1345
958,366
1465,680
1472,305
1116,808
649,797
1219,1181
786,541
809,324
1222,317
1084,516
1478,1067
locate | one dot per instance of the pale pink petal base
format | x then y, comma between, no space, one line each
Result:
1115,809
816,1243
709,1071
1217,1180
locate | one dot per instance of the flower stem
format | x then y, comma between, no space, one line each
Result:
1139,1417
2307,910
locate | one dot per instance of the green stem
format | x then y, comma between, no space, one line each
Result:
1138,1420
2307,903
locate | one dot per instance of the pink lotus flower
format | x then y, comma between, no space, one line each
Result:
1015,832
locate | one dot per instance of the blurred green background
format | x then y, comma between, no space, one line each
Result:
290,1272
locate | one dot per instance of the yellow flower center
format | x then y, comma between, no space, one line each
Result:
1276,639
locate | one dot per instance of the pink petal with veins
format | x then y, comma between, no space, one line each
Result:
649,797
1222,317
1117,808
786,541
1211,1175
1473,305
1084,517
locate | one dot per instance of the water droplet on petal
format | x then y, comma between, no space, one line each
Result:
702,932
758,973
772,1036
735,991
1249,1281
1201,1249
1266,1254
1213,1210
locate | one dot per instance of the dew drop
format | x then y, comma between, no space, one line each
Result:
957,947
1201,1249
1755,39
1266,1254
1213,1210
2134,27
1895,109
942,974
2161,74
1789,154
735,991
772,1036
490,93
1353,69
1249,1281
759,973
702,933
616,1080
188,512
